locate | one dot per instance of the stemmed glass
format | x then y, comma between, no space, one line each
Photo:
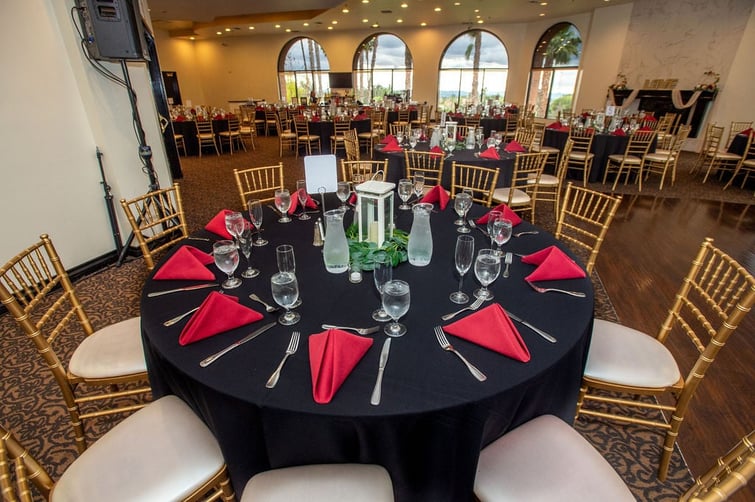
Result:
413,139
492,217
285,290
343,191
234,223
382,273
396,300
462,203
501,233
404,193
245,245
463,257
479,136
284,256
301,193
498,139
450,142
282,203
487,266
255,215
226,256
419,184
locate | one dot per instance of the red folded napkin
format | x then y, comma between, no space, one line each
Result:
490,153
217,224
388,138
188,263
436,149
507,212
315,119
332,355
437,194
490,327
514,146
181,118
746,132
353,199
645,128
554,125
218,313
650,118
309,203
619,132
219,116
392,147
552,264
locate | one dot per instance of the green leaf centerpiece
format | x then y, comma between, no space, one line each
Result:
363,253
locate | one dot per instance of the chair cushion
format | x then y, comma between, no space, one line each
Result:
549,149
727,156
659,157
545,180
321,483
161,452
581,156
546,460
502,195
115,350
631,159
625,356
749,163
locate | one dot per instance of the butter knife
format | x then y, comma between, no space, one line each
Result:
533,328
275,210
375,399
209,360
187,288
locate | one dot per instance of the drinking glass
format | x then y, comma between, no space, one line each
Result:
404,193
226,256
343,191
419,184
487,266
479,136
301,193
284,255
396,301
413,138
501,233
285,290
234,223
462,203
283,202
450,144
255,215
245,245
382,273
498,139
463,256
492,216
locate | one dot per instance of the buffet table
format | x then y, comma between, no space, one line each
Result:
434,416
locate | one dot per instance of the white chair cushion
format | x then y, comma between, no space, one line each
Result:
581,156
663,152
727,156
546,460
628,160
625,356
547,180
115,350
321,483
161,452
749,163
549,149
287,135
502,195
658,157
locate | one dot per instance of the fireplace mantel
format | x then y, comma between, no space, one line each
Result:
659,101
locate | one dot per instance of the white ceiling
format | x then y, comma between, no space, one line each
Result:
204,18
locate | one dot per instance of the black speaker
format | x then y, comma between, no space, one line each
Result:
113,29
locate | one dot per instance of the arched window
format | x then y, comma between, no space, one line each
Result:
302,68
382,67
555,67
473,70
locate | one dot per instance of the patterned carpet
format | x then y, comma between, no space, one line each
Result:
32,408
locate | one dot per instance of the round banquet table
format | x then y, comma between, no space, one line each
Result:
434,416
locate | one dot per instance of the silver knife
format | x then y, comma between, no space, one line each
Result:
209,360
275,210
187,288
375,399
533,328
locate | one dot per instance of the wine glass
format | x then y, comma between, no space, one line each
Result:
478,136
413,139
234,223
343,191
245,245
382,273
462,203
419,184
284,256
255,215
404,193
285,290
501,233
487,266
450,144
301,193
498,139
492,216
396,301
282,203
463,256
226,256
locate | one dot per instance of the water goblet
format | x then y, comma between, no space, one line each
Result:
234,223
413,138
284,256
382,273
463,257
282,203
226,256
492,217
404,193
419,184
301,194
396,300
450,144
245,245
487,267
285,289
478,137
501,233
255,215
462,203
343,191
498,139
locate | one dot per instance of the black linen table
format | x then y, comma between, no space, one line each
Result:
434,416
326,128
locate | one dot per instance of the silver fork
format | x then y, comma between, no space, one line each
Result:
361,331
526,232
293,344
268,307
446,345
578,294
474,225
473,306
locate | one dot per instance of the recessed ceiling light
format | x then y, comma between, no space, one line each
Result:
375,25
543,3
306,24
480,21
218,32
334,22
345,10
277,26
251,27
456,4
437,9
399,20
288,30
542,14
227,29
192,38
423,23
404,5
365,20
330,27
365,1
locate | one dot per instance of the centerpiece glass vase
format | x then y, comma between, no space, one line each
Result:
335,251
420,247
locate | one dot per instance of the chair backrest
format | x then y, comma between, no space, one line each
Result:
351,144
666,123
366,168
403,115
428,163
584,219
399,128
639,143
259,183
157,221
736,128
528,167
563,163
480,180
472,121
713,136
233,124
681,136
378,120
204,126
340,127
582,138
18,468
525,136
512,122
301,125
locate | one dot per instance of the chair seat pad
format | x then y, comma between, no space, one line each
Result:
625,356
287,135
161,452
115,350
549,149
519,198
546,460
749,163
321,483
581,155
630,159
727,156
659,157
547,180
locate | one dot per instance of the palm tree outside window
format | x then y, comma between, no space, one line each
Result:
382,67
302,68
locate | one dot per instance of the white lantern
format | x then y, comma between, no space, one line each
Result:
375,205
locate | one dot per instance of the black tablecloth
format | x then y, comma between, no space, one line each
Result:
434,417
326,128
189,130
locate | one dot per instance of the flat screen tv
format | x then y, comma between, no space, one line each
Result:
340,80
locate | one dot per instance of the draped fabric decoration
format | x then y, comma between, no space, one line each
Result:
627,101
676,98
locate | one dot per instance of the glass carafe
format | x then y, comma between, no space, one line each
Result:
420,247
335,252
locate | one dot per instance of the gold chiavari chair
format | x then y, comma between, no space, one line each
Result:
537,146
428,163
746,163
631,160
711,142
665,130
397,128
403,115
551,185
512,122
661,161
259,183
157,220
161,452
106,372
206,135
472,121
525,136
304,136
521,194
580,158
271,122
232,135
714,297
584,219
462,131
424,112
736,128
367,169
351,144
480,180
286,137
378,128
180,143
249,131
719,161
340,127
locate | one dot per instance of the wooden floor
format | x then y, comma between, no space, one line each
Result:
646,254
